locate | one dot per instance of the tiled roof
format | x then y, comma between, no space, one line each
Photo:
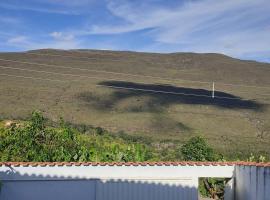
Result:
184,163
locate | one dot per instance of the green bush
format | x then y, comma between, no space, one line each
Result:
197,149
33,141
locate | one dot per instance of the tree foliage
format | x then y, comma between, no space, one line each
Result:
197,149
33,141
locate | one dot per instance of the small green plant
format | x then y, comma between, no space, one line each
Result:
262,158
212,187
256,158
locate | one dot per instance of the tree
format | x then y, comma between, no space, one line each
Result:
197,149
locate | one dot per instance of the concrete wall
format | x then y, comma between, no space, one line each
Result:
252,183
106,182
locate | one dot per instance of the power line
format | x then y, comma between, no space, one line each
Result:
34,78
134,89
97,84
167,92
74,75
90,77
65,74
228,84
241,92
186,71
154,91
127,74
102,71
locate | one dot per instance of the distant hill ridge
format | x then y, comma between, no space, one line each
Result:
144,94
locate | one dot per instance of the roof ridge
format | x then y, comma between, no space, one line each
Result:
175,163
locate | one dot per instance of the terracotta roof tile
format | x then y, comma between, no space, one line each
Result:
183,163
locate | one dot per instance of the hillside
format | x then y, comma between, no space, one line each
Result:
90,87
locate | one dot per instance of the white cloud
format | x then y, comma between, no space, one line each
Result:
72,44
26,43
64,7
61,36
36,8
187,18
9,20
70,3
17,40
234,27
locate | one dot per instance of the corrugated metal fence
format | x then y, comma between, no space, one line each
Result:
99,190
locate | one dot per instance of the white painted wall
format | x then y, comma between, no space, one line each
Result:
252,183
106,182
129,182
114,172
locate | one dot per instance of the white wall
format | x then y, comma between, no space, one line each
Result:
252,183
113,172
128,182
106,182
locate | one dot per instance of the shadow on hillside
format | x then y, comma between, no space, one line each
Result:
155,101
48,185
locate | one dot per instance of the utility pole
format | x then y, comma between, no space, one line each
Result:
213,90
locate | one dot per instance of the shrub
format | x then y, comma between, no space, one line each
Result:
197,149
33,141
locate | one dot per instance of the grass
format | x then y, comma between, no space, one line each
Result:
233,128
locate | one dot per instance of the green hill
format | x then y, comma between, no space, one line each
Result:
166,97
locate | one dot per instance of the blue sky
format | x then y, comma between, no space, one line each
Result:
238,28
